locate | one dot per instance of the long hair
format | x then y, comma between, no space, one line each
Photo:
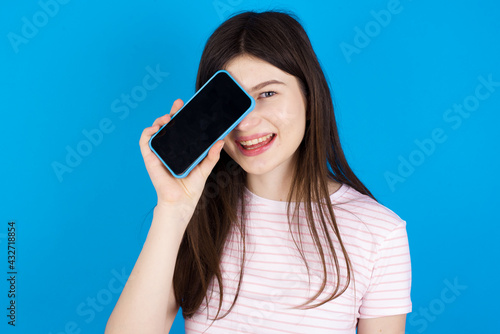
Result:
279,39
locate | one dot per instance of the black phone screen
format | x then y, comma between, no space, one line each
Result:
211,113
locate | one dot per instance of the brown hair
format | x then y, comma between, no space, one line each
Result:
279,39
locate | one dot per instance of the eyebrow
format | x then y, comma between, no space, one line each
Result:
265,83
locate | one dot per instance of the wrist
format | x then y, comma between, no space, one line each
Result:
174,215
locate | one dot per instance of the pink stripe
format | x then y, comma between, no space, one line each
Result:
291,246
392,282
395,247
322,238
342,276
339,221
385,299
394,255
396,273
290,264
303,242
388,291
398,237
384,307
272,279
288,313
250,325
214,325
296,256
314,287
358,213
371,205
261,270
286,283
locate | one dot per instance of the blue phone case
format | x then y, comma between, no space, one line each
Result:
204,154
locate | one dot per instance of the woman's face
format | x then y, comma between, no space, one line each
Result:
267,138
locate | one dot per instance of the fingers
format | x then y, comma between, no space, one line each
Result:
205,167
176,106
166,118
162,120
145,136
157,124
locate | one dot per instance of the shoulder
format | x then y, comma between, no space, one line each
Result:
362,214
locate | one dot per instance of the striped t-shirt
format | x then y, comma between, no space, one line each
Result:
275,278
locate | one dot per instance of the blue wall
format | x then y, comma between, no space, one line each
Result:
417,94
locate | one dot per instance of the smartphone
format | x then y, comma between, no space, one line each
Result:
207,117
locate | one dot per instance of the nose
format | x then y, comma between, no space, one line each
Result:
249,122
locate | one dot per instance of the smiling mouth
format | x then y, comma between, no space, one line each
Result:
256,143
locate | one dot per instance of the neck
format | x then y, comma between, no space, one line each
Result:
274,185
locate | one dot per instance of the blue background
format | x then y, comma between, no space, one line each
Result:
79,234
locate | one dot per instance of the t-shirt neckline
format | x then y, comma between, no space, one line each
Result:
334,197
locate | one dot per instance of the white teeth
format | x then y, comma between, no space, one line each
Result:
255,141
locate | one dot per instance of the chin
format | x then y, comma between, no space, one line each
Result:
254,170
259,168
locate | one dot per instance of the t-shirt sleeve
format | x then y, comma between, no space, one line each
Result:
388,292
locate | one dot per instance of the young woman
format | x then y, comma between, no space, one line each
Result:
274,233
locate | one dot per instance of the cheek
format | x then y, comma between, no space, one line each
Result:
285,112
290,121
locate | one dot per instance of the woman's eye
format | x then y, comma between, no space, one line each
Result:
267,94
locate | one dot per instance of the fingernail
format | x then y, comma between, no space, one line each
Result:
220,149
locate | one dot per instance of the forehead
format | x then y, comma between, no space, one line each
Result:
250,71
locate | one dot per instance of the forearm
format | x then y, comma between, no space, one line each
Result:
143,306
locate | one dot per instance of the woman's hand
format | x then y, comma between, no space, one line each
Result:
177,194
